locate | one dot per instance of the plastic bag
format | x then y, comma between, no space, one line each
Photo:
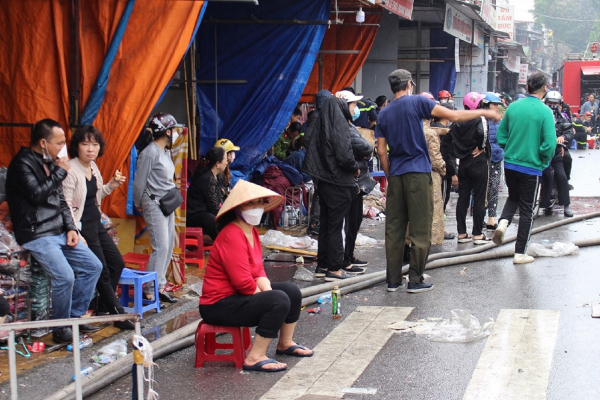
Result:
362,240
302,274
277,238
462,327
8,243
556,249
195,284
116,349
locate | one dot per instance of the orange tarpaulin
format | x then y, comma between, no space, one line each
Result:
35,69
340,70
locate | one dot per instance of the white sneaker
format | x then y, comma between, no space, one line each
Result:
522,259
498,237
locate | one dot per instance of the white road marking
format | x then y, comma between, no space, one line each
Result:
342,356
516,360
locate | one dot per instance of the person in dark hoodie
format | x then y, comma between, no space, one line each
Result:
363,151
472,147
330,160
309,132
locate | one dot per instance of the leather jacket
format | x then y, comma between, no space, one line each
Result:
35,200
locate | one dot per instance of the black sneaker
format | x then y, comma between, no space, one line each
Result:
358,263
87,328
63,335
320,272
392,287
125,325
331,277
354,270
419,287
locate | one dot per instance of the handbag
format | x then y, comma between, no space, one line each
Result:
169,202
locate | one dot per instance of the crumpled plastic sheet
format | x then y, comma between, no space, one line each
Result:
278,238
557,249
462,327
362,240
8,243
195,284
111,352
302,274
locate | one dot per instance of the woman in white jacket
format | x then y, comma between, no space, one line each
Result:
84,190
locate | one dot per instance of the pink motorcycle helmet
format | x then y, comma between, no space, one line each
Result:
472,99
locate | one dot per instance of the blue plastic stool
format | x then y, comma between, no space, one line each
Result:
137,279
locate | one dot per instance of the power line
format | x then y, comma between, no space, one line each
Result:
564,19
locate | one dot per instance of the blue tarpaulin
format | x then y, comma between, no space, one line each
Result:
274,57
442,75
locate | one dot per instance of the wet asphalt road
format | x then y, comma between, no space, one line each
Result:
409,366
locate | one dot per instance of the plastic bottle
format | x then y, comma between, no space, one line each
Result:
326,298
86,342
85,371
336,296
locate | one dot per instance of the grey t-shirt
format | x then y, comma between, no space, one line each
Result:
155,171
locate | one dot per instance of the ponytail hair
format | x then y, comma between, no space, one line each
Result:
213,156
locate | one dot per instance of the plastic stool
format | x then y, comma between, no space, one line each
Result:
141,260
194,238
206,344
137,279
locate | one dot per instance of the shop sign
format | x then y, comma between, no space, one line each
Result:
513,63
506,20
523,73
403,8
458,25
488,13
457,54
478,37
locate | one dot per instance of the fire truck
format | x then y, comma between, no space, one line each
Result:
579,77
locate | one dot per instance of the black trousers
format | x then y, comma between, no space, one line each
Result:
472,177
204,220
315,209
102,245
265,310
556,171
352,226
446,189
522,194
568,162
335,203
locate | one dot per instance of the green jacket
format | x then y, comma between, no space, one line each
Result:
282,145
527,134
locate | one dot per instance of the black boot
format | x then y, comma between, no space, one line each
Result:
125,325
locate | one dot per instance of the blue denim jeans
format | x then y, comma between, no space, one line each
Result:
162,238
71,295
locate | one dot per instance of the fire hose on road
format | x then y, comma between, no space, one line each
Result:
184,337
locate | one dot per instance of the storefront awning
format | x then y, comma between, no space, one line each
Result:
590,70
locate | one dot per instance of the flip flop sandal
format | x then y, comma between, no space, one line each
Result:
290,351
259,366
465,239
484,240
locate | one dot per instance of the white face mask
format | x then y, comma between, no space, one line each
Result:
253,215
63,152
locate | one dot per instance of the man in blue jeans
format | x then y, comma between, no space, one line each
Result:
43,225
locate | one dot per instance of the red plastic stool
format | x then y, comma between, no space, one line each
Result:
206,344
137,261
194,238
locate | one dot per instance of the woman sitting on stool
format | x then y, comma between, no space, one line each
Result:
205,194
236,291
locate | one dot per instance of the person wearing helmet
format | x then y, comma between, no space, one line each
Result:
472,148
444,96
528,138
153,180
558,165
492,101
408,169
225,177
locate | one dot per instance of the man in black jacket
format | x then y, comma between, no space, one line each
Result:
43,225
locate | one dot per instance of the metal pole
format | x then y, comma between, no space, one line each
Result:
419,42
77,362
12,362
216,92
139,369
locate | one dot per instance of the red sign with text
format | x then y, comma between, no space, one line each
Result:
403,8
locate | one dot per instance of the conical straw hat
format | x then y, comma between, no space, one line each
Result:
244,191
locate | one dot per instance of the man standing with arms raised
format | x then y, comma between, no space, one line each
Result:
528,136
408,169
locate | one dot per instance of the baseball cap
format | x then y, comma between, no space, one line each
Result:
588,113
227,145
403,75
349,96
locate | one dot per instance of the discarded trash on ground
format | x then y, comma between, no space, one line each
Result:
111,352
302,274
278,238
194,284
362,240
462,327
556,249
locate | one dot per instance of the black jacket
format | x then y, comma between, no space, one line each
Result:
363,151
447,150
561,125
35,200
467,136
329,155
204,194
